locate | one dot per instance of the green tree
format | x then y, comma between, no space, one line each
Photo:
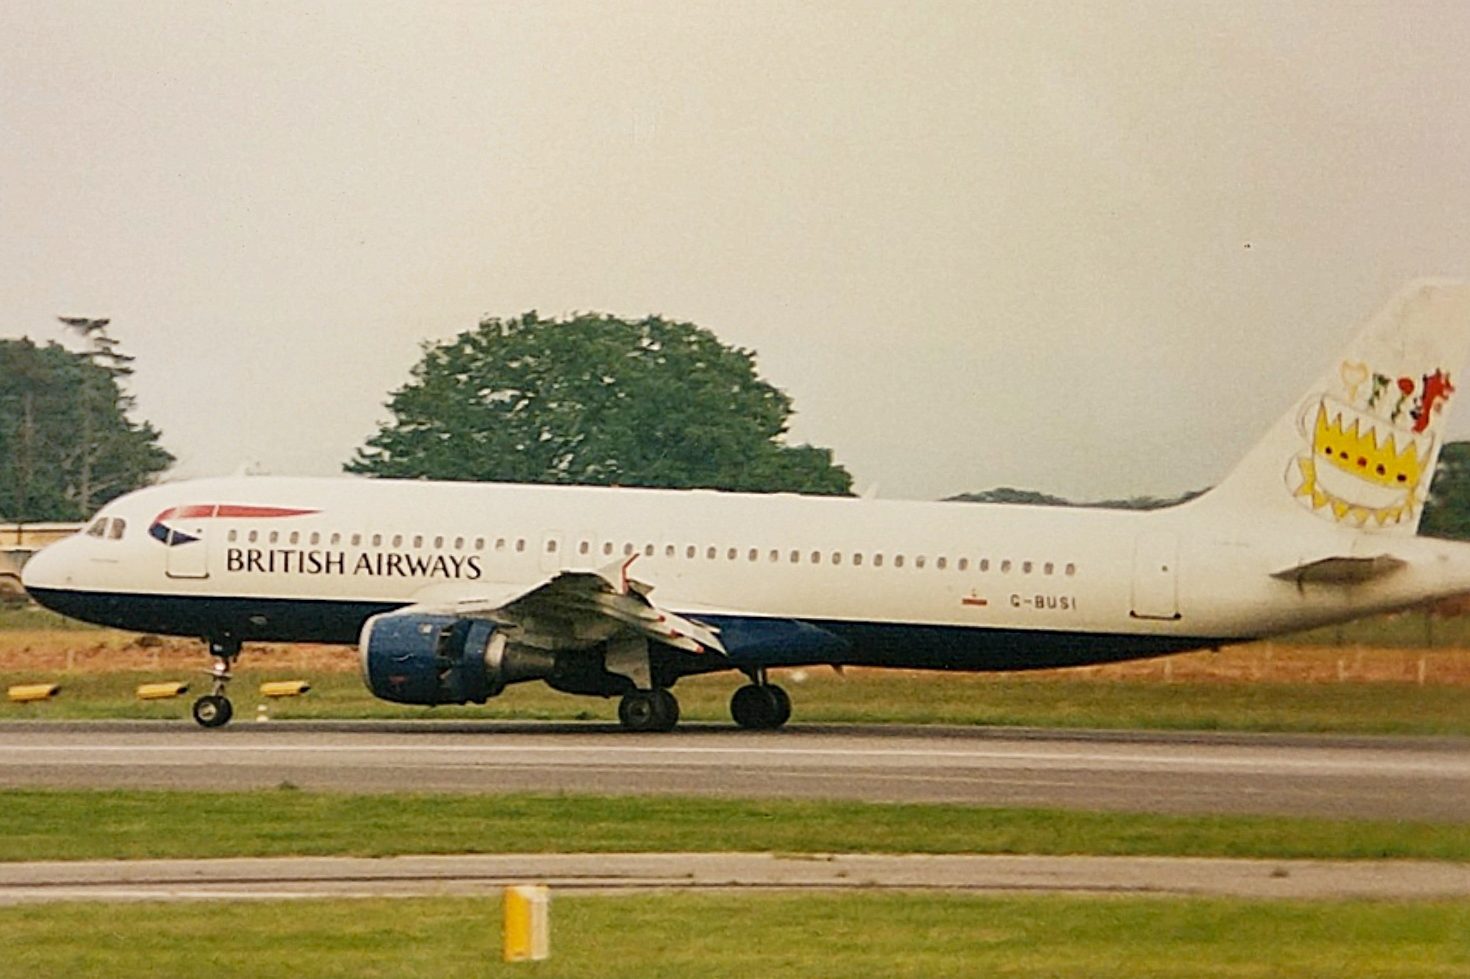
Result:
66,443
1005,494
597,400
1447,511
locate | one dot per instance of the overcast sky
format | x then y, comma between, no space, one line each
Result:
1090,248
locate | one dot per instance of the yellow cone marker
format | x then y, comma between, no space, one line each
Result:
284,688
29,692
161,691
527,923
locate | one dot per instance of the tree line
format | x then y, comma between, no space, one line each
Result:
67,443
587,399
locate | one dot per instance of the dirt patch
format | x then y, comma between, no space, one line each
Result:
97,650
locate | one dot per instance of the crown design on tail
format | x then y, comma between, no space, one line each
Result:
1360,469
1363,455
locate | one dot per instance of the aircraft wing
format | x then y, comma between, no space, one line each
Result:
578,609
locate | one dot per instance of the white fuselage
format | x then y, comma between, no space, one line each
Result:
267,554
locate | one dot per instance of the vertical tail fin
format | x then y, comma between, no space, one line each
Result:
1359,449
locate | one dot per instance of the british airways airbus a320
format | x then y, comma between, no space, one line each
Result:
452,591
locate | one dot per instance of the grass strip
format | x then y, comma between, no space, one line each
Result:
80,825
757,935
868,697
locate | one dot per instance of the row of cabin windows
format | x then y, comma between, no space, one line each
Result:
691,552
774,556
316,539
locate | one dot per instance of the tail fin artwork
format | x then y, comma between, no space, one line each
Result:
1359,449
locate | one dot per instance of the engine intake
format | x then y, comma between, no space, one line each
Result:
416,658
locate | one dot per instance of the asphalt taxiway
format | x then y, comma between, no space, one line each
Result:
286,878
1411,779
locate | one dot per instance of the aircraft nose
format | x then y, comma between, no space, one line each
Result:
46,569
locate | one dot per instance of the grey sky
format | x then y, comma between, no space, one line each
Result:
1092,248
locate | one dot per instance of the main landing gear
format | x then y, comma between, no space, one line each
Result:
649,710
214,708
760,706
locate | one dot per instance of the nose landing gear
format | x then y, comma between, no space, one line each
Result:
214,708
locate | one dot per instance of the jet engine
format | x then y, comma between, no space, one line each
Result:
417,658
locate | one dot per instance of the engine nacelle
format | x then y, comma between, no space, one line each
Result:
415,658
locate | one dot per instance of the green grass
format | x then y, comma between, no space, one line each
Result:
678,934
864,697
78,825
26,617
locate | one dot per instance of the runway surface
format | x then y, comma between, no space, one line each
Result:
1379,778
305,877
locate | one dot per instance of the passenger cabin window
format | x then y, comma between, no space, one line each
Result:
418,541
233,535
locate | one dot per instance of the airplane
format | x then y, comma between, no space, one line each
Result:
453,591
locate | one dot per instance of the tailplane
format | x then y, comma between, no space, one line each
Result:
1359,449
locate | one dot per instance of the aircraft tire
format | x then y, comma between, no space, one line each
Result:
783,705
760,708
648,710
213,710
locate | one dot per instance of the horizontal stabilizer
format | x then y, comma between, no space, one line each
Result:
1341,570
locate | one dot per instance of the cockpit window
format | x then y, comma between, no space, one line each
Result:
98,528
119,527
